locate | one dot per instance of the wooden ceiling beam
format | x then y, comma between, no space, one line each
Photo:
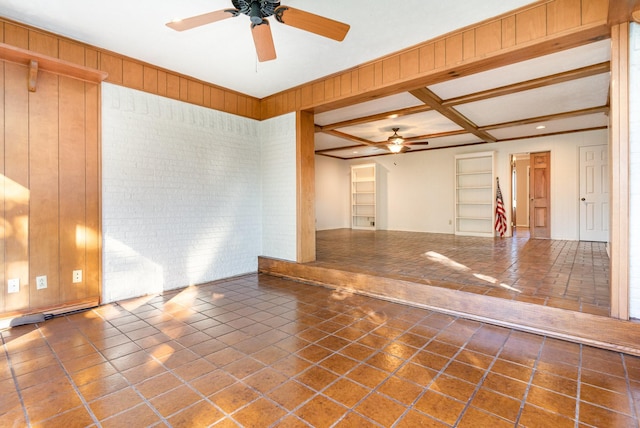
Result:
437,135
363,142
551,134
337,149
372,118
350,137
566,76
547,118
431,99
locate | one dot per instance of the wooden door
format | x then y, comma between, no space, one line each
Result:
594,193
540,194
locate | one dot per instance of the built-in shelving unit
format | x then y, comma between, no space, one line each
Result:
363,196
475,194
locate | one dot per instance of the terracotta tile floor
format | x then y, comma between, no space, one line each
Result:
258,351
566,274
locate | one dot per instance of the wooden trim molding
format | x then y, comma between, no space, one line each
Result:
619,174
36,61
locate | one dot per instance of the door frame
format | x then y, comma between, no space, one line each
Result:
535,188
599,191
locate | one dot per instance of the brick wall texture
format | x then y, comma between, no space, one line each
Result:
190,194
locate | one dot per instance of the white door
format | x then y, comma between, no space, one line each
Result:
594,193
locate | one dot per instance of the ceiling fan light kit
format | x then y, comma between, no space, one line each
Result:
397,144
258,11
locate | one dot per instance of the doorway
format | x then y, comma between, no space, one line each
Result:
540,195
520,165
594,193
531,194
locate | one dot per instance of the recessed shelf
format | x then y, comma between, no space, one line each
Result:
363,196
475,194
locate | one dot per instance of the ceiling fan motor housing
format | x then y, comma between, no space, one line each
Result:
256,10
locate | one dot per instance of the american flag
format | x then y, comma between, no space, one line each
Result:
501,216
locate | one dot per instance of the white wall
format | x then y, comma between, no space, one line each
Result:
416,191
279,186
332,198
634,171
183,193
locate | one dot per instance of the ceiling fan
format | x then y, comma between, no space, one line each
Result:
258,11
397,144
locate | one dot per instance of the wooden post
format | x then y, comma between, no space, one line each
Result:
619,155
305,187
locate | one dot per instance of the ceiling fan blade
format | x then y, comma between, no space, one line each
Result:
263,40
311,22
205,18
416,143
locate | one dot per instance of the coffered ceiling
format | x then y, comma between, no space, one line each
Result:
566,91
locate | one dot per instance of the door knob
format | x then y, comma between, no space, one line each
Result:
582,199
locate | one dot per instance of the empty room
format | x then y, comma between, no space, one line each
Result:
260,213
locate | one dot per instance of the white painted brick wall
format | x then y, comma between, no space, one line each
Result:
279,187
182,193
634,171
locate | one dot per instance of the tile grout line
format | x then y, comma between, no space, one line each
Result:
425,389
530,382
131,385
634,412
392,373
15,380
68,376
344,375
187,383
481,381
205,398
579,387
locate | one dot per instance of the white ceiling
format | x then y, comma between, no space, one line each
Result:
223,53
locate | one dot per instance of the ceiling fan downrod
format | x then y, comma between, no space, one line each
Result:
256,10
255,15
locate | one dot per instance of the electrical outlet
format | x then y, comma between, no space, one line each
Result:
77,276
41,282
14,285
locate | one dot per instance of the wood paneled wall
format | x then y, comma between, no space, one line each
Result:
525,33
130,72
50,200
